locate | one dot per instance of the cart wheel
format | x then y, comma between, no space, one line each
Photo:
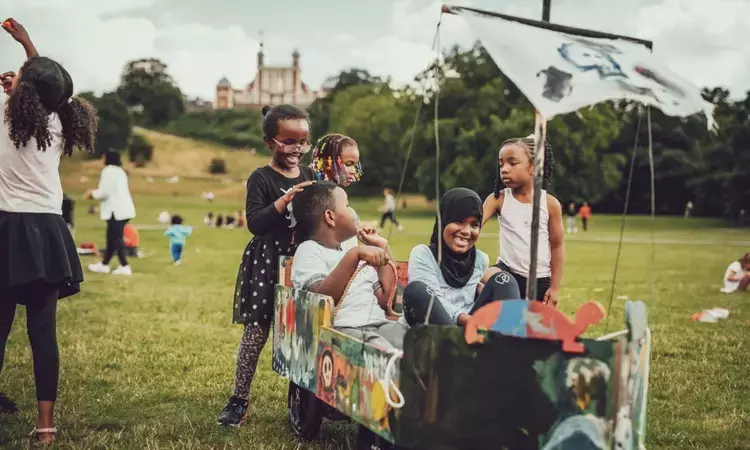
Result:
367,440
305,412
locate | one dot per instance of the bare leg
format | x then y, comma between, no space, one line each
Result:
744,283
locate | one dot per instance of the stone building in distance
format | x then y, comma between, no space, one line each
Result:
273,85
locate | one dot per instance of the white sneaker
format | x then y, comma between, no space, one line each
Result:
99,268
123,270
400,228
178,262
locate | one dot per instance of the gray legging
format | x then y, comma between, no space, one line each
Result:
417,295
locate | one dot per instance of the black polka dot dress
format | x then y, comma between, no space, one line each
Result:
274,237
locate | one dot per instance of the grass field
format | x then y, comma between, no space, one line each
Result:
148,361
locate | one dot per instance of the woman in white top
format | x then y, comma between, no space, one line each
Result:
38,259
462,281
737,276
513,208
117,209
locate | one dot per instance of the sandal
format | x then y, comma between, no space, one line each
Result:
35,435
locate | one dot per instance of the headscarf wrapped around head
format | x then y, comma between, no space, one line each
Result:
456,204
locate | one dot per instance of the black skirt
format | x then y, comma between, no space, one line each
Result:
38,248
256,278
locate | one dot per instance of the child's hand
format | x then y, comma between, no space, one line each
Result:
551,297
289,195
16,30
373,256
369,236
7,81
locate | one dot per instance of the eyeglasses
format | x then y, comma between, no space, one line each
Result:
302,146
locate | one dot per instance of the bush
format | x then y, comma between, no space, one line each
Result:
140,151
217,166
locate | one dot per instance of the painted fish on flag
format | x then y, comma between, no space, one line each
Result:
560,72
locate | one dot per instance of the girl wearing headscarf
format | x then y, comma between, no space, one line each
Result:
458,281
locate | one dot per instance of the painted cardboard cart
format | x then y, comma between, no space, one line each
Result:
513,385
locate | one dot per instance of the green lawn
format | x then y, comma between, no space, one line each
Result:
148,361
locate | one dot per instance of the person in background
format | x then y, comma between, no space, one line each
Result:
585,212
241,222
737,276
230,221
131,239
571,212
688,209
219,221
117,209
209,219
177,234
388,209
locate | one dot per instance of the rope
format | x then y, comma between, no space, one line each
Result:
652,276
622,220
413,136
391,295
388,383
437,164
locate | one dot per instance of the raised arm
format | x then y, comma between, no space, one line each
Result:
18,32
557,249
386,277
260,217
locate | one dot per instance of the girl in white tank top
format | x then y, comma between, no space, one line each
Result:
513,207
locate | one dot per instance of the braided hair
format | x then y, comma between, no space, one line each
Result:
528,143
326,158
44,87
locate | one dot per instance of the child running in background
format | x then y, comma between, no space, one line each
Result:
513,208
572,213
585,212
38,263
177,233
388,209
336,158
737,276
322,265
270,219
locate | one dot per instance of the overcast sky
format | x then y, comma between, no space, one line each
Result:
201,40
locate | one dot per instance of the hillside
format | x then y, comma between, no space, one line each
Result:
187,159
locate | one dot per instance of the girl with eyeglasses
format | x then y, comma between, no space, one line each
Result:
269,215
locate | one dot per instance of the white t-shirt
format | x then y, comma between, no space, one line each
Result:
390,203
731,286
29,177
313,262
515,236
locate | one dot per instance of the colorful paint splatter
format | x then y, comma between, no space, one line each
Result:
299,317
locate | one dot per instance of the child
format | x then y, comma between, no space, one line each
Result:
177,233
336,158
513,207
388,209
572,213
39,263
269,217
737,276
455,287
322,265
585,212
131,240
209,219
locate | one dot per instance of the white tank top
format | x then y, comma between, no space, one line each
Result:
515,236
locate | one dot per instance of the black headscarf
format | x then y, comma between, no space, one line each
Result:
456,204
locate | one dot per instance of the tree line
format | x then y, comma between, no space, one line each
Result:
477,109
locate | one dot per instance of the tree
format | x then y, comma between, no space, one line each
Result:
115,122
145,85
140,151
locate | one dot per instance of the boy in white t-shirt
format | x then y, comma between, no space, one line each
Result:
325,221
737,276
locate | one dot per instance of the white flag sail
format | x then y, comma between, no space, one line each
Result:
560,73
